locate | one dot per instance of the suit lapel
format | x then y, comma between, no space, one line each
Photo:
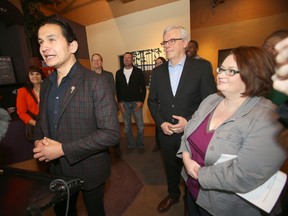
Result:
71,90
183,77
166,79
44,115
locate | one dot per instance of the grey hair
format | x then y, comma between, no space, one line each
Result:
183,32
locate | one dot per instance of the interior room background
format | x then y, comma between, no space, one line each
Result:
229,24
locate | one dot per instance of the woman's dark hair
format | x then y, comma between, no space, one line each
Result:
33,68
256,68
67,31
29,85
161,58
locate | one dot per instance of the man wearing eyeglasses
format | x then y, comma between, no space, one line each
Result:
176,91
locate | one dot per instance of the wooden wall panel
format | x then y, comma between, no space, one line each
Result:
248,32
85,63
203,14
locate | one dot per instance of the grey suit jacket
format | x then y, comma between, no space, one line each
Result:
196,83
251,135
87,126
110,78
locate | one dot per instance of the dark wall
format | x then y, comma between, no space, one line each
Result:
13,43
80,32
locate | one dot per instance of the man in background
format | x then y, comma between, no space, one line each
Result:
177,89
97,67
131,92
192,49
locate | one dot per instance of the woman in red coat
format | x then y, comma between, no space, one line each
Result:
27,101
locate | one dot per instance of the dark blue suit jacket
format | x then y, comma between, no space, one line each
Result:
196,83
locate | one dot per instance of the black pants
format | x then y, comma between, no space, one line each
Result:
192,208
93,201
173,165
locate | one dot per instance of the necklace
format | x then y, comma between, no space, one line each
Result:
37,93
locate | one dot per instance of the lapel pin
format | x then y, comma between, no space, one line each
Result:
72,89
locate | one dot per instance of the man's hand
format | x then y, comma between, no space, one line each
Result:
179,127
165,126
121,107
280,79
47,150
138,105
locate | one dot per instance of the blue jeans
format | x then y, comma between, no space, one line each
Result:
127,118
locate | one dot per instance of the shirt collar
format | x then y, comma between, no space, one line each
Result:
181,63
53,76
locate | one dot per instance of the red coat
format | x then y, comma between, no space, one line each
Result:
25,103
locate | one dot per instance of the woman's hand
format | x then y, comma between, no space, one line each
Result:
32,122
190,165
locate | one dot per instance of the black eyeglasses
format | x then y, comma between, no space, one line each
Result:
170,42
228,72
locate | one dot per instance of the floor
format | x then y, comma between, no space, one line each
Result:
154,189
149,168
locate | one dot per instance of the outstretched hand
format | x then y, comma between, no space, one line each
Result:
280,79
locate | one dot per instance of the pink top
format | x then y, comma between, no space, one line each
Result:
199,141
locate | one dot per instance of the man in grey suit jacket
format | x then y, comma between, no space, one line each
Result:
97,67
77,120
177,88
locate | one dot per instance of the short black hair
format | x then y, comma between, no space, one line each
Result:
129,53
67,31
195,42
161,58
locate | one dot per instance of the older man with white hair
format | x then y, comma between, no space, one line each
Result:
177,88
